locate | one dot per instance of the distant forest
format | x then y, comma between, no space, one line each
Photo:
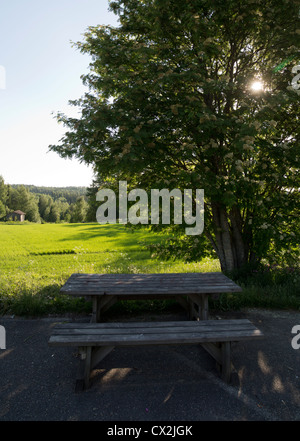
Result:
48,204
69,193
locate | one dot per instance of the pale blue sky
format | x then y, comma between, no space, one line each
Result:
42,73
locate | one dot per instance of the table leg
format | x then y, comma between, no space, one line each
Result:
89,358
192,313
198,306
226,361
100,305
84,369
96,310
203,312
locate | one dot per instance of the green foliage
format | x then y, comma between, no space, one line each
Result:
80,210
3,191
2,210
170,105
57,204
70,194
21,199
92,203
4,195
263,286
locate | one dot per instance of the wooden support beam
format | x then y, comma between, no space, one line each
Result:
106,303
214,350
89,358
202,305
99,353
221,352
183,302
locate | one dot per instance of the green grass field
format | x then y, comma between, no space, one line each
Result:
37,259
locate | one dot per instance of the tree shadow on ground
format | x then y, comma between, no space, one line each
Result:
267,370
122,233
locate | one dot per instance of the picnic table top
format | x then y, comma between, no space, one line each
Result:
148,284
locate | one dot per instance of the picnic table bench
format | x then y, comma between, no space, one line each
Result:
95,340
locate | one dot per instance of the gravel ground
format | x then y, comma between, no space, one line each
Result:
168,383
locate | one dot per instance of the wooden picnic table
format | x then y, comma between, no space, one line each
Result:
191,290
96,340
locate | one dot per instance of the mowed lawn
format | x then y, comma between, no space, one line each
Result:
36,260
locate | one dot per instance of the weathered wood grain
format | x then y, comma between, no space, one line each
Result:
151,325
126,334
148,284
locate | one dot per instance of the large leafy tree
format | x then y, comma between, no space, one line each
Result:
170,105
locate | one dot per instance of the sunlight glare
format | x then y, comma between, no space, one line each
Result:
257,86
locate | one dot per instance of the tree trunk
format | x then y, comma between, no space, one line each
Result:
239,242
229,243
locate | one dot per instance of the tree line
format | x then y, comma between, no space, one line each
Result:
47,204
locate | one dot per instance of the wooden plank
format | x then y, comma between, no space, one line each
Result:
154,278
148,292
150,324
165,279
190,275
171,287
160,282
210,324
149,339
150,276
213,324
165,282
175,288
146,331
117,279
139,275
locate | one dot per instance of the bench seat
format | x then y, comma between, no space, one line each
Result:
96,340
